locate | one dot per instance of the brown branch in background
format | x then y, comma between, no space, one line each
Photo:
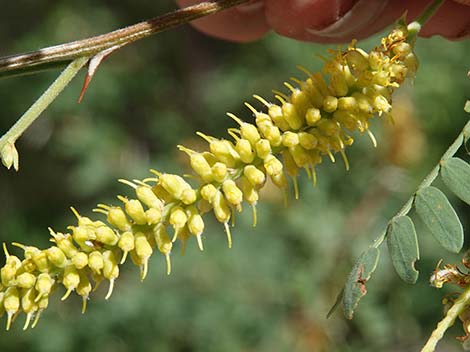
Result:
11,65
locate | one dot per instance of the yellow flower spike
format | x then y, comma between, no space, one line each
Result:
126,243
70,280
11,303
110,270
57,257
96,262
43,286
84,289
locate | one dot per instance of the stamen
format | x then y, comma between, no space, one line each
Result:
144,270
255,216
110,289
345,159
332,157
229,236
199,242
124,257
168,264
36,319
291,88
262,100
281,94
304,70
67,294
296,80
28,320
296,187
372,138
84,304
253,110
127,182
235,118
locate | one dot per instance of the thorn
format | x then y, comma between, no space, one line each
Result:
93,65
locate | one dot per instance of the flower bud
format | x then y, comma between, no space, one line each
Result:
292,116
178,218
250,194
106,235
328,127
43,285
146,196
164,245
272,165
126,244
41,261
189,196
95,261
11,303
307,140
84,289
263,148
117,217
9,156
219,170
135,210
110,270
143,250
301,101
57,257
70,280
249,132
7,274
28,305
224,151
300,156
153,216
254,175
289,139
357,62
80,260
221,209
276,114
64,242
232,192
208,192
330,103
312,116
25,280
243,147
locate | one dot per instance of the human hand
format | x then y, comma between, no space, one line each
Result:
330,21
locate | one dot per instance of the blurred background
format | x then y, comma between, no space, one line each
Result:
272,291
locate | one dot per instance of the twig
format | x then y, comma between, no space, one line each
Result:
40,105
91,46
459,305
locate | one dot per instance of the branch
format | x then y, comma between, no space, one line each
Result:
89,47
460,304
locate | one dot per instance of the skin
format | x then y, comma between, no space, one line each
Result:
330,21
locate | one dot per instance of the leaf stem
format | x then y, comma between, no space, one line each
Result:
121,37
459,305
43,102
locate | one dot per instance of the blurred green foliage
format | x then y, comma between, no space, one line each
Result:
272,291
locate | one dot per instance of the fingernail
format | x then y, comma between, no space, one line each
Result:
250,7
360,15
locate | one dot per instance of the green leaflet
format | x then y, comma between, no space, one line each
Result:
437,213
355,287
402,243
456,175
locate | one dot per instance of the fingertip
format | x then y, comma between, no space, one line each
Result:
241,24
